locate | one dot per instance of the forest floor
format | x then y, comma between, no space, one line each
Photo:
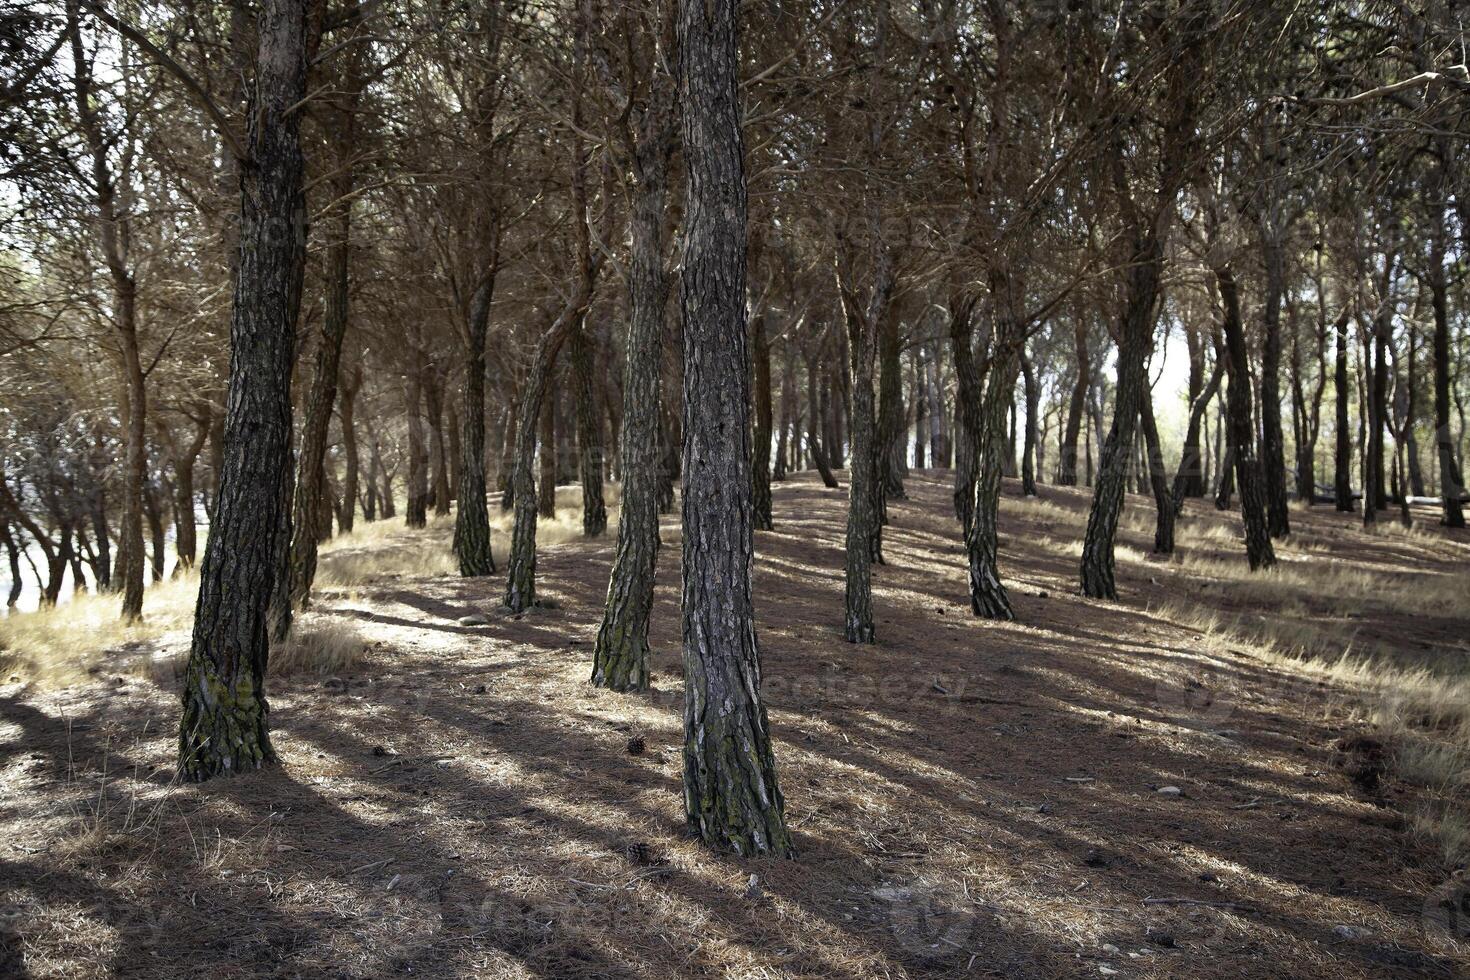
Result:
1147,788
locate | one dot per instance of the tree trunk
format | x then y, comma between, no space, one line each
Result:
472,519
546,483
346,419
1067,452
760,463
434,402
223,728
589,432
1135,337
1451,483
1248,476
1342,477
1273,451
417,507
310,475
1158,481
1191,468
620,655
731,797
1029,464
814,424
113,226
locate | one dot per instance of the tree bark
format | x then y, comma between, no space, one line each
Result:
1342,477
1067,455
620,655
1259,552
760,462
1451,482
223,729
1029,464
1273,451
731,797
589,432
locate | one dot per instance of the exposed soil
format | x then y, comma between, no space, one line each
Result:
967,798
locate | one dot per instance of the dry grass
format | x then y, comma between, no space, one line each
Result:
83,636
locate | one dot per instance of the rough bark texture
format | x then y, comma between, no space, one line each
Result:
223,728
1067,457
1273,450
589,432
620,656
1248,475
1135,337
1157,480
731,797
472,519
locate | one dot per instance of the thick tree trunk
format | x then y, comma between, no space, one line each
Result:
506,477
320,399
1248,475
731,797
620,655
1135,337
472,519
223,728
589,432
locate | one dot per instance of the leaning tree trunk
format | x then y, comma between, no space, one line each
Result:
731,797
223,729
589,432
1190,475
1135,337
760,463
1157,480
310,462
1248,475
620,655
814,425
1076,407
